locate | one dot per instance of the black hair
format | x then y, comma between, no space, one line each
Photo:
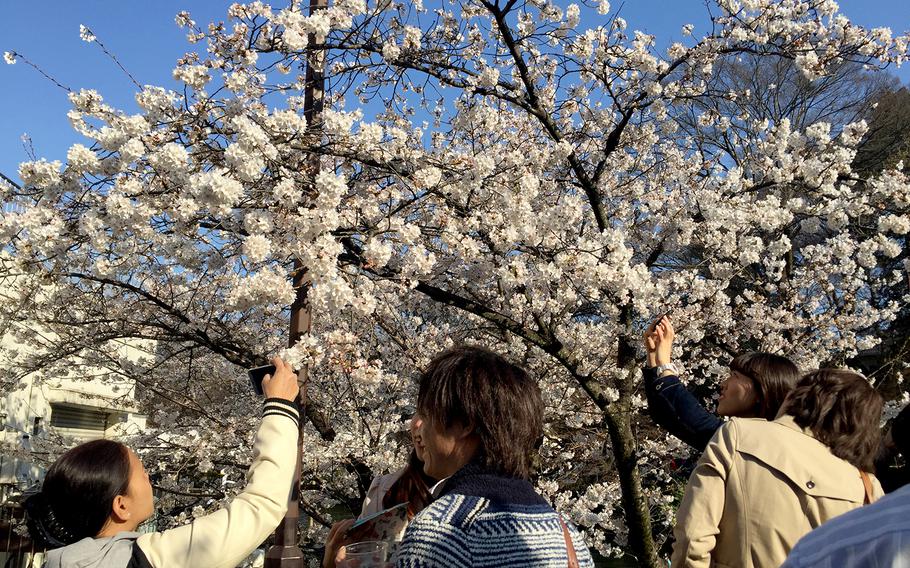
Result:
900,432
773,376
78,493
892,464
477,388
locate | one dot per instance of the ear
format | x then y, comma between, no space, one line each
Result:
120,509
463,431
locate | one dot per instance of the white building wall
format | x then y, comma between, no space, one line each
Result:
26,414
26,411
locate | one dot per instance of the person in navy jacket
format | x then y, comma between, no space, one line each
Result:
755,388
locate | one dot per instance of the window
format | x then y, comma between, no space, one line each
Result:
78,417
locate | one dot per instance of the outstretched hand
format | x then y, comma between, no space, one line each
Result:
283,384
650,341
658,341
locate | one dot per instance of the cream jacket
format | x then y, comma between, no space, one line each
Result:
227,536
758,488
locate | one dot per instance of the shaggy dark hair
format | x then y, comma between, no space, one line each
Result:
842,410
78,492
476,388
773,376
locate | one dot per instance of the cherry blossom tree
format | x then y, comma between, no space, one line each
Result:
490,171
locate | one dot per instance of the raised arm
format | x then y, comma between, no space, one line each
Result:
224,538
670,403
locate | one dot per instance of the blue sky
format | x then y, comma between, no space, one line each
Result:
145,38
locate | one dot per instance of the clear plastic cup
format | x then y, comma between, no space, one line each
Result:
367,554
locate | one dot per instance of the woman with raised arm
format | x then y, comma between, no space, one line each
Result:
95,496
755,388
761,485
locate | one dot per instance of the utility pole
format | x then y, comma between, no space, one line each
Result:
286,553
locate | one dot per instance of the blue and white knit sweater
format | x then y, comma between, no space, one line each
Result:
481,520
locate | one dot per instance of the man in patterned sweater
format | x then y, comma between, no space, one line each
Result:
479,420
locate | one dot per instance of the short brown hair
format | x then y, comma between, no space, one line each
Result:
474,387
842,410
774,377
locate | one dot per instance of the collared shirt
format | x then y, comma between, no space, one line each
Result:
874,536
437,488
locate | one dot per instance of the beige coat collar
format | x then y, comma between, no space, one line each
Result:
790,422
794,452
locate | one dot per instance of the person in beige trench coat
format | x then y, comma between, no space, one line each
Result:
760,486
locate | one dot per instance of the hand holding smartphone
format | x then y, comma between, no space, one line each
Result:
257,374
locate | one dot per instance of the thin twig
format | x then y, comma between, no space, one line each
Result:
117,61
28,62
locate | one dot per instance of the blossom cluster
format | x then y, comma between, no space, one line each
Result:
548,205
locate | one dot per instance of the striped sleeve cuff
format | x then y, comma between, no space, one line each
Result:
281,407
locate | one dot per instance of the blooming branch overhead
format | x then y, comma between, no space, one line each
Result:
531,176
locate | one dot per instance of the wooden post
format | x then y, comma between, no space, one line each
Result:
286,553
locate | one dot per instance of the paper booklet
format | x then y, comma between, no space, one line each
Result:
389,524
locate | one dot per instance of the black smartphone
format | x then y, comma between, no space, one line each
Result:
256,375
